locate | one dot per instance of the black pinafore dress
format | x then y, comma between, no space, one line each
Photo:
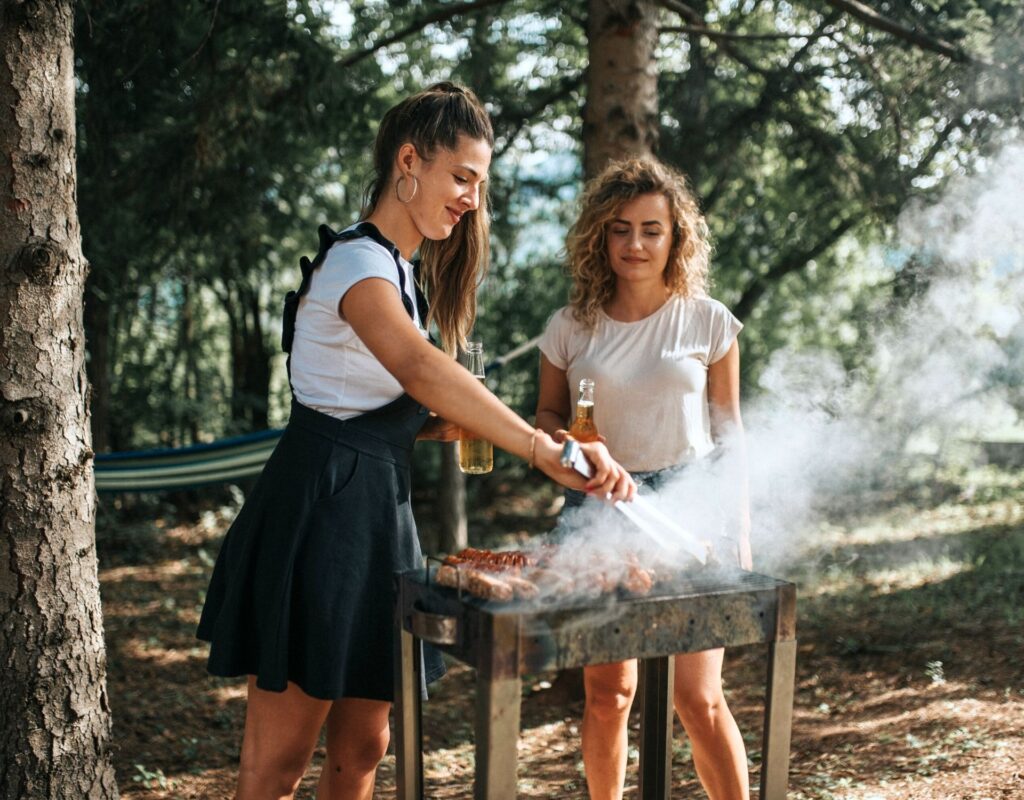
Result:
302,589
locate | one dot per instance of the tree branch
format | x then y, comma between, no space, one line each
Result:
733,36
793,261
911,34
440,15
515,122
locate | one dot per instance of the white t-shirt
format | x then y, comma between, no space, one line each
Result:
332,370
650,395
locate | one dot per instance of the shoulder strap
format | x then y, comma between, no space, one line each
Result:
328,238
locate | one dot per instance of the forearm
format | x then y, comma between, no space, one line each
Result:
454,393
550,422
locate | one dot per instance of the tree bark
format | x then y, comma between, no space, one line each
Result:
55,736
621,115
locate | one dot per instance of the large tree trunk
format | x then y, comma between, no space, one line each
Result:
621,116
55,736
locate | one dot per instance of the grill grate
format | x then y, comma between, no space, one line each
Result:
694,611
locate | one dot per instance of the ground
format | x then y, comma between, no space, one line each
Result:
910,673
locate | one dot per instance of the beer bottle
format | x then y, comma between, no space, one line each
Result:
476,455
583,428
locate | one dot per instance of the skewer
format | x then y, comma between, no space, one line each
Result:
641,512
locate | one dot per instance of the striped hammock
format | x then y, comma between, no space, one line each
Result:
186,467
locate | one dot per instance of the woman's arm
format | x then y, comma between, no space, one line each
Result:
375,312
553,400
727,428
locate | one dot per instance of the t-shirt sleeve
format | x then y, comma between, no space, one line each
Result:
348,263
554,342
724,330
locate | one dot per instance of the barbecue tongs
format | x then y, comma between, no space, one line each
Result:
641,512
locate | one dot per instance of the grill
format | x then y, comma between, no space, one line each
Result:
504,641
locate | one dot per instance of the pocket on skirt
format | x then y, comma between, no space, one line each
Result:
339,474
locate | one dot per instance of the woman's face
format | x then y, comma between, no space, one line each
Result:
450,184
640,239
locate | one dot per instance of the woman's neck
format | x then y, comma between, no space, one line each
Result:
393,221
632,302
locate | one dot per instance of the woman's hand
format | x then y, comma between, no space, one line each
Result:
610,480
438,429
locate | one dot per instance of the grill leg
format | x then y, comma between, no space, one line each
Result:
778,720
408,704
656,727
497,735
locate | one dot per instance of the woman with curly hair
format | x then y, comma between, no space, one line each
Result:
665,360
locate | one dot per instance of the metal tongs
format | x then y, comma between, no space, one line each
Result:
641,512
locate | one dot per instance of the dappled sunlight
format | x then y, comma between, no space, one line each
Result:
228,694
150,573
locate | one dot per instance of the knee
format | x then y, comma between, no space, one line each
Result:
610,699
700,712
361,755
279,773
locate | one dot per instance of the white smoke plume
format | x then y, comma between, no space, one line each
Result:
941,369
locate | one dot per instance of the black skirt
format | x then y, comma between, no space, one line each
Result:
303,589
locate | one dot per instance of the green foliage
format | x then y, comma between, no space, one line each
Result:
214,137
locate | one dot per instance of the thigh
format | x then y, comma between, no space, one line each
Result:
698,675
282,726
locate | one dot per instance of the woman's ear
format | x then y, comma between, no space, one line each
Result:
407,158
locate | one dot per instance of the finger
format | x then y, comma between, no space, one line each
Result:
604,483
625,488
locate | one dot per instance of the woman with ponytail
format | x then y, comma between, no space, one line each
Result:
301,596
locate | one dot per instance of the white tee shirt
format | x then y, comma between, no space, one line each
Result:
650,395
332,370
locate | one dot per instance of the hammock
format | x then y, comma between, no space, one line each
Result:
204,464
185,467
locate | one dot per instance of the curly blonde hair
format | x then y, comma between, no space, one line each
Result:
603,197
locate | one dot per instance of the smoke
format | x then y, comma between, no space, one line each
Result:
943,365
943,368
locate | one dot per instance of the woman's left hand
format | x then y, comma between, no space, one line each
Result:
438,429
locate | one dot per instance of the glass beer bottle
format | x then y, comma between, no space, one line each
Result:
583,428
476,455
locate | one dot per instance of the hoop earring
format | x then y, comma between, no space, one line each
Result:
415,188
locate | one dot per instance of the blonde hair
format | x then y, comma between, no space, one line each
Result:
450,269
686,273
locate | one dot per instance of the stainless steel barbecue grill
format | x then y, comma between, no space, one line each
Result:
696,611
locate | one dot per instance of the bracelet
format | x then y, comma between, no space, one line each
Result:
533,447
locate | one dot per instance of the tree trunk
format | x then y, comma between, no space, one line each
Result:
453,531
55,736
621,116
250,363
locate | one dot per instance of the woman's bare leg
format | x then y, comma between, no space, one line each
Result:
718,751
357,738
281,731
610,689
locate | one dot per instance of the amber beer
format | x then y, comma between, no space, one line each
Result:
476,455
583,428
